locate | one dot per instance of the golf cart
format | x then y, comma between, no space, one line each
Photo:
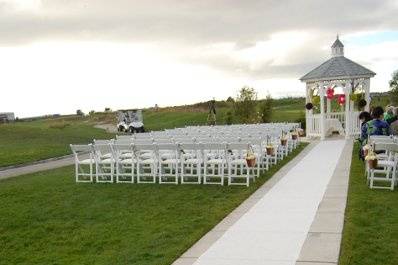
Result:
136,121
130,121
123,121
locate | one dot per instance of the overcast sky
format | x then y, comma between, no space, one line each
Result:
57,56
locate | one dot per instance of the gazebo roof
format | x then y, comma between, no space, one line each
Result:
337,67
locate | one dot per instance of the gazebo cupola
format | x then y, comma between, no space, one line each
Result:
337,48
337,80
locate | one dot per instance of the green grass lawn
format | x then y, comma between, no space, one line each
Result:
370,234
24,142
47,218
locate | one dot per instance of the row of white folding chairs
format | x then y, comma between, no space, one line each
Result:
387,160
153,161
280,150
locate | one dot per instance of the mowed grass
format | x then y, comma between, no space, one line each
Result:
370,234
47,218
24,142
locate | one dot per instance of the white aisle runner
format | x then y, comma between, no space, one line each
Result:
273,231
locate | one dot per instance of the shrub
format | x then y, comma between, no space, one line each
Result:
245,105
266,109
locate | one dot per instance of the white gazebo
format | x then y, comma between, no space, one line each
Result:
337,73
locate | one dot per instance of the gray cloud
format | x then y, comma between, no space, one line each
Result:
191,21
198,23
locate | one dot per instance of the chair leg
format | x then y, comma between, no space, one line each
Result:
371,178
247,177
176,173
91,172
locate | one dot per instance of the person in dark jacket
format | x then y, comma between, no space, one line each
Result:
364,117
376,126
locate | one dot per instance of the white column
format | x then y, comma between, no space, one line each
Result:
322,116
347,90
328,106
367,94
308,113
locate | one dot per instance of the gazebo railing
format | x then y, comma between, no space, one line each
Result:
355,124
313,125
336,115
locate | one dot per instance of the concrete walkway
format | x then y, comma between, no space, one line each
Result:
287,221
36,167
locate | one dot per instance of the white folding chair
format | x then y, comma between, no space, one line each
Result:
83,155
237,164
168,165
125,163
147,163
104,163
386,169
104,142
191,163
214,163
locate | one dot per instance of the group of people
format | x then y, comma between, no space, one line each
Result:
378,122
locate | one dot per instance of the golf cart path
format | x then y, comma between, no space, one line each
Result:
36,167
295,218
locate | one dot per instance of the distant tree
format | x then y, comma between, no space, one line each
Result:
266,109
108,110
245,105
92,112
229,117
230,100
79,112
394,89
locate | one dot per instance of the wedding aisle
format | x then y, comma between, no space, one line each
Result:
273,231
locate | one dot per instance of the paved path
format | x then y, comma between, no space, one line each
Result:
278,224
41,166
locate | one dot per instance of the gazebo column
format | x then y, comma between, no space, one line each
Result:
308,113
347,128
328,106
367,94
322,115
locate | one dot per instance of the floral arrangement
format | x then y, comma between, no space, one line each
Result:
283,139
294,135
250,157
269,147
371,158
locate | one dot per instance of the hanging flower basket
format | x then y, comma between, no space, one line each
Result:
301,132
362,103
366,150
251,161
284,141
294,136
371,159
372,163
316,100
270,150
250,157
309,106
